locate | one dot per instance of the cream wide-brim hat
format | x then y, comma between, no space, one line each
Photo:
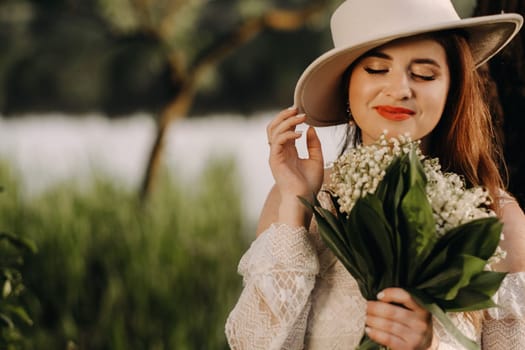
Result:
360,25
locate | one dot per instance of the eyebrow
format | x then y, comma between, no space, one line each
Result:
383,55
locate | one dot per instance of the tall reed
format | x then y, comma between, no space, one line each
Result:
111,273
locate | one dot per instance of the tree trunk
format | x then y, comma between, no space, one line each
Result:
276,19
177,109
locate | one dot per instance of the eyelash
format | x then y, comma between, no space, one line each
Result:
424,77
375,71
383,71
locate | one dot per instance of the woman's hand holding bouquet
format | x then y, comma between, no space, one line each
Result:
399,221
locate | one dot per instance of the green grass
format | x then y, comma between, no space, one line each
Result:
112,274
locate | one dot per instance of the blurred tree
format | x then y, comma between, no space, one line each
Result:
465,8
196,36
62,55
119,56
178,57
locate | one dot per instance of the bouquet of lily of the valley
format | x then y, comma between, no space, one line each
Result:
399,221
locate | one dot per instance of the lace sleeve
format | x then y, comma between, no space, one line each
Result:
278,273
504,327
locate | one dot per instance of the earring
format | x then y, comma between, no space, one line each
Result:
353,136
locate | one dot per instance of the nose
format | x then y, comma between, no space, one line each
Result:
398,86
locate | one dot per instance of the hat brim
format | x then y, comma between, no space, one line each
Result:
318,92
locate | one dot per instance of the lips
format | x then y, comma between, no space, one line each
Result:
394,113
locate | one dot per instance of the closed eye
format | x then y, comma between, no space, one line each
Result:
423,77
375,71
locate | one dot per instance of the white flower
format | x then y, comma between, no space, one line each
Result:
359,171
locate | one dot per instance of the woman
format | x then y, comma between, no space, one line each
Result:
405,66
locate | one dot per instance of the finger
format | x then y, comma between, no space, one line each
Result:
389,311
401,296
288,124
386,325
284,114
282,139
384,338
394,334
313,145
394,313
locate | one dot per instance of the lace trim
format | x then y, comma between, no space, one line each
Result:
504,198
279,274
278,310
281,247
506,334
510,298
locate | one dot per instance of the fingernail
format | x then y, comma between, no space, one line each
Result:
380,295
300,115
291,108
367,330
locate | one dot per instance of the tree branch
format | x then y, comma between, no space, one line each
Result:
178,107
277,19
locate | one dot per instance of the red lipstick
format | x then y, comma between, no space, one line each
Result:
394,113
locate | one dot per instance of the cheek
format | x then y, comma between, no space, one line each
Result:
352,90
360,91
436,102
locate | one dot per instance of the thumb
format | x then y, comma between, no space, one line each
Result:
313,145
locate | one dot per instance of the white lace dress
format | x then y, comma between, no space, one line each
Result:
297,295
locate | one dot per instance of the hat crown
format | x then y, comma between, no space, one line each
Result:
358,21
362,25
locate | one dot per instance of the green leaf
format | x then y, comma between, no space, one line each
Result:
405,176
456,275
372,233
419,228
391,188
487,282
6,320
352,239
435,263
416,170
332,227
466,300
333,234
476,238
477,295
329,236
20,313
19,242
390,191
341,251
341,217
334,223
368,344
306,203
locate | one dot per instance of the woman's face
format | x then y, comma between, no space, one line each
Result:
399,88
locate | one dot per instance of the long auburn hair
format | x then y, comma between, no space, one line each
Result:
464,139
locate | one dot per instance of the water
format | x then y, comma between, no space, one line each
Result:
51,148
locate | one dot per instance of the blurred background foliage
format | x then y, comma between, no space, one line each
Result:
120,56
111,274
